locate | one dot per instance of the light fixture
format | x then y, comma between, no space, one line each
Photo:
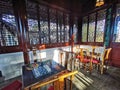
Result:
99,3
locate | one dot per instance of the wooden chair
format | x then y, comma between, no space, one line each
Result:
105,59
101,63
84,57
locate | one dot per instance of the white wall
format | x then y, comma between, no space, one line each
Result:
10,64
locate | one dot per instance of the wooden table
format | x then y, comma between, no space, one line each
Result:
56,76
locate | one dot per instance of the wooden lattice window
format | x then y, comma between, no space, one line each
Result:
8,30
91,31
116,35
67,28
47,25
53,26
33,23
84,29
43,10
100,25
61,33
75,29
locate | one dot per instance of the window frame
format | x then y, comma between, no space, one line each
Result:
96,19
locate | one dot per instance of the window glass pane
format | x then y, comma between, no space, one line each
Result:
116,35
100,26
66,28
8,30
91,30
84,29
75,29
53,26
44,24
32,23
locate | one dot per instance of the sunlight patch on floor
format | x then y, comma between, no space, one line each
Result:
81,81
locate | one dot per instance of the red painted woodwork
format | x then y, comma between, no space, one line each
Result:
115,55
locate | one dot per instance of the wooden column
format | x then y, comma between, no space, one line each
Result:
21,19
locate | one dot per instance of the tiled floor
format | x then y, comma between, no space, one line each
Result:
85,81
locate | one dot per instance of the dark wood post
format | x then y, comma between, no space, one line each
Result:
21,19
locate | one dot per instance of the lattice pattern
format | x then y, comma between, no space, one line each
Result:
32,10
75,29
118,32
56,32
61,32
67,28
116,36
8,34
100,26
33,31
53,26
34,38
44,25
33,25
8,38
84,29
91,31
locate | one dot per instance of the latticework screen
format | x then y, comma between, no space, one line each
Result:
116,35
33,23
75,29
44,24
60,27
84,29
53,26
67,28
91,32
100,26
8,30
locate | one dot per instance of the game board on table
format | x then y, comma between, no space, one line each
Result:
36,72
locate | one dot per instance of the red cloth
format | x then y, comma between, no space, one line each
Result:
16,85
51,88
85,60
95,61
78,56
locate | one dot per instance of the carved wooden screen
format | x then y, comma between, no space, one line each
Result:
75,29
67,28
100,26
84,29
91,32
8,30
60,27
43,10
47,25
53,26
32,23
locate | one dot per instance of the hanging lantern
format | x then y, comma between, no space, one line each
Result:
99,3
